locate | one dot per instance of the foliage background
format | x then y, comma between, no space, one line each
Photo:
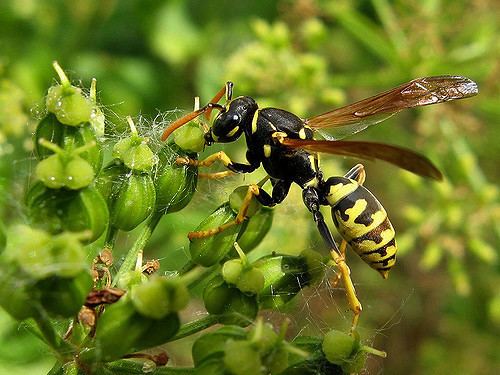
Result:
439,312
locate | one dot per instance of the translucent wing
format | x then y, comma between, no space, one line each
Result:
401,157
355,117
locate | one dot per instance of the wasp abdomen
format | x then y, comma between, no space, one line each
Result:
363,223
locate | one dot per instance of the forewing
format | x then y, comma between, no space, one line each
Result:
355,117
401,157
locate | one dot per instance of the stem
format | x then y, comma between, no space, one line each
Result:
109,243
195,326
93,91
133,129
241,254
125,366
60,72
378,353
51,146
139,244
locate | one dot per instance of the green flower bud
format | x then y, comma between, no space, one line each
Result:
241,358
285,276
264,338
71,210
251,281
58,171
211,345
62,255
190,138
255,229
338,346
132,201
68,138
175,184
231,271
73,108
159,297
234,306
68,102
211,250
134,152
122,329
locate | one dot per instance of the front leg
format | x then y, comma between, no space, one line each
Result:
222,157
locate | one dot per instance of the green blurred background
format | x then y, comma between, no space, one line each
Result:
439,311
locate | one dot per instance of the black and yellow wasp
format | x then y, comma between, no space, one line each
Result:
283,143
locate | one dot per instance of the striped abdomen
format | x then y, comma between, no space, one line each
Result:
363,223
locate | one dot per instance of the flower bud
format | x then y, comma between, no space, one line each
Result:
338,346
175,184
67,102
255,229
64,169
234,306
159,296
121,329
241,358
135,153
211,345
285,276
132,201
72,210
68,138
210,250
190,138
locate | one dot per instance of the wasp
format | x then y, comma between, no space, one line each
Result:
285,145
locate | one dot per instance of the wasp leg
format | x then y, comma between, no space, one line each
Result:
221,156
338,276
253,191
216,175
311,200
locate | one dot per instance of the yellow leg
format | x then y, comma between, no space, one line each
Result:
253,190
345,275
216,175
221,155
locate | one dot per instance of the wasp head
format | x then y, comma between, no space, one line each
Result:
232,120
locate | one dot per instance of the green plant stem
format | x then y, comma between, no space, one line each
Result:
141,241
126,366
195,326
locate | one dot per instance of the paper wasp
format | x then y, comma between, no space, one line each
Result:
283,143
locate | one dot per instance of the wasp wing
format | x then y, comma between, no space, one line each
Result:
399,156
355,117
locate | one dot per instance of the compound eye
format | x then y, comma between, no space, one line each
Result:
236,118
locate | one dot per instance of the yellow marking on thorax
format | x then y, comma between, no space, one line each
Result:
339,191
302,134
254,121
267,151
